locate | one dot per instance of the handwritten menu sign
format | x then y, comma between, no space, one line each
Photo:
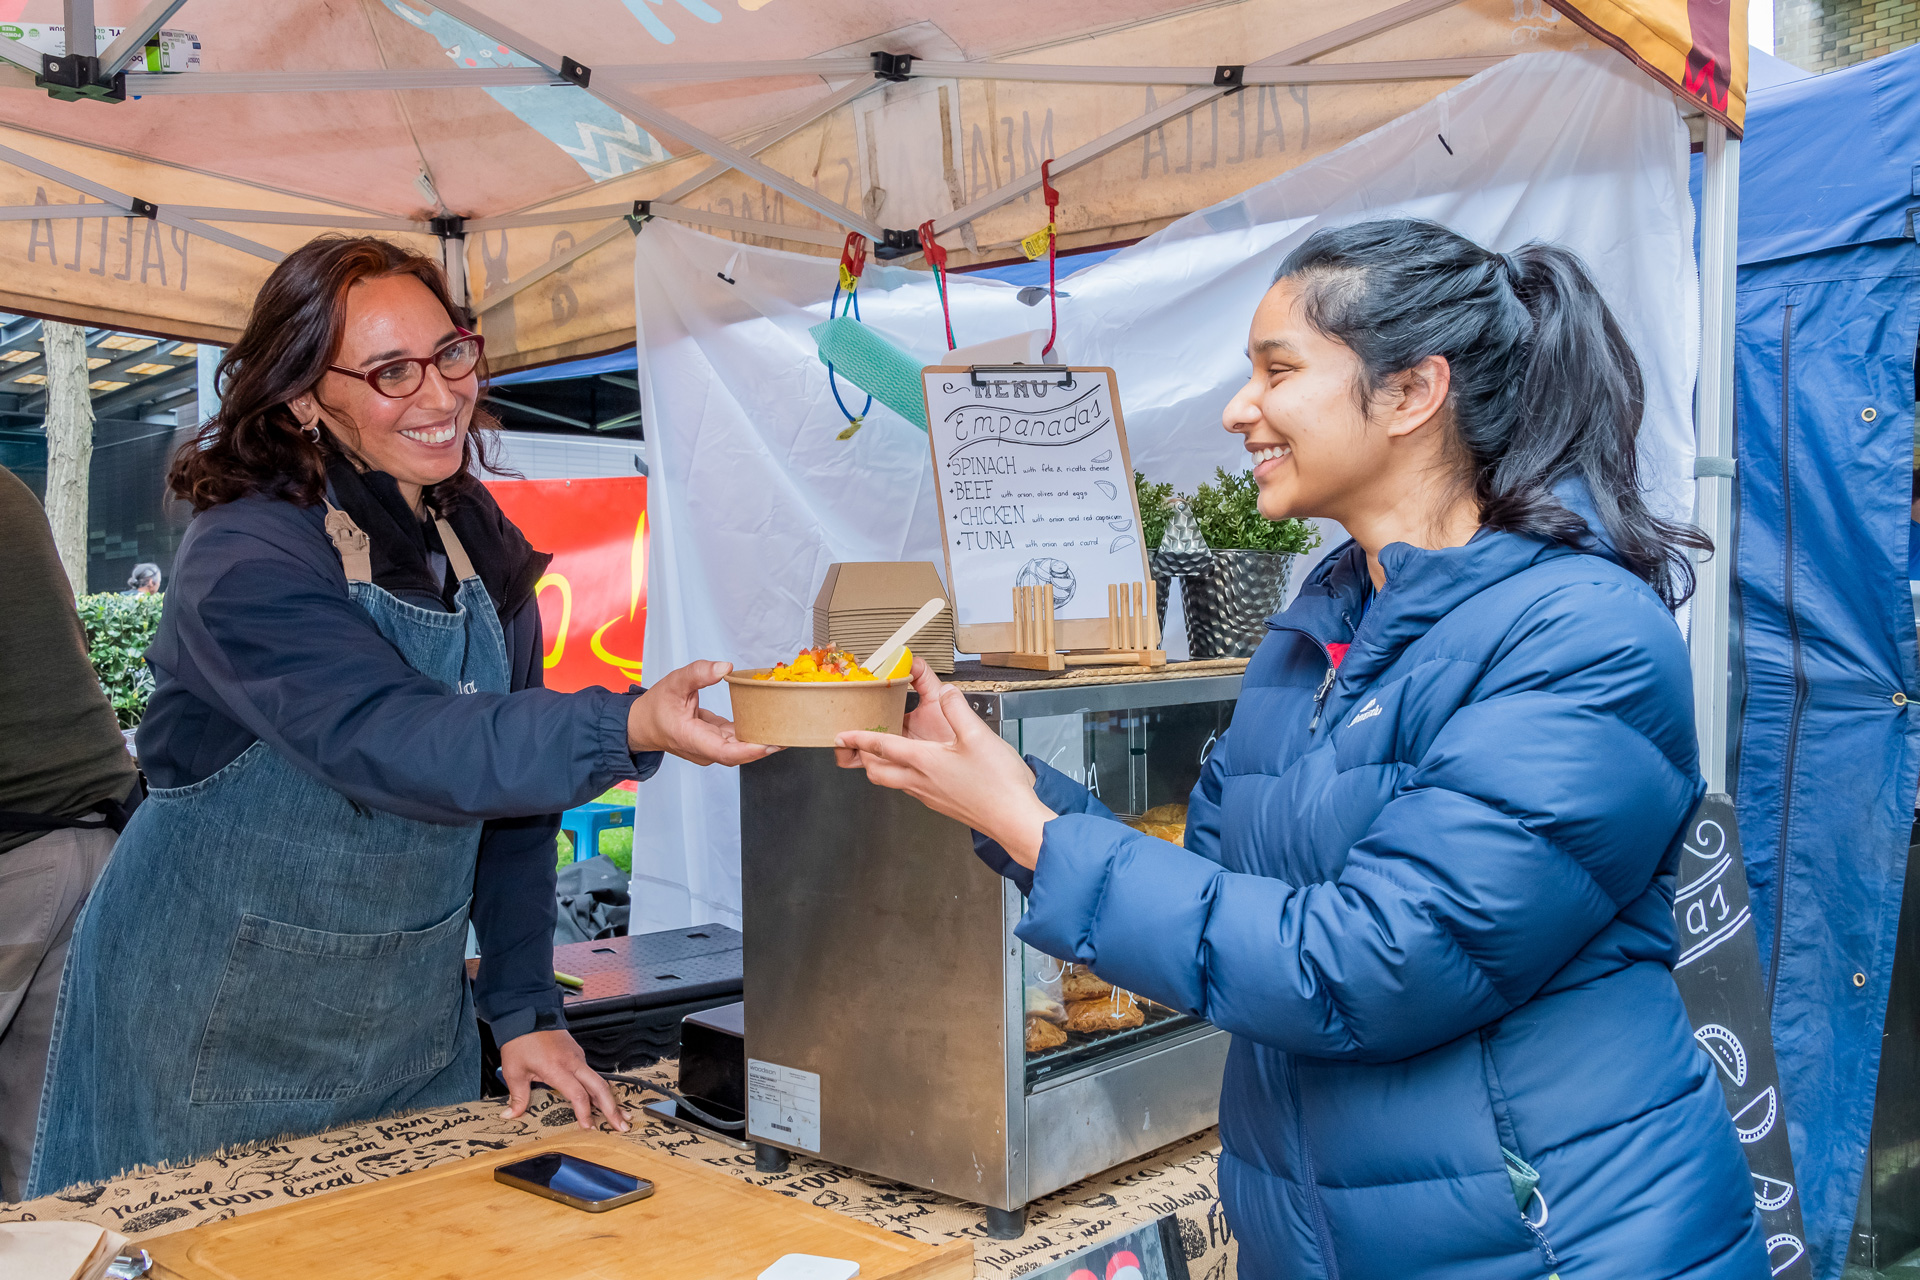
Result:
1035,487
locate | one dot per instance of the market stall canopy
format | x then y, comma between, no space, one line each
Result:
517,142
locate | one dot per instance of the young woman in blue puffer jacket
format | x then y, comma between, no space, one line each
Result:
1428,875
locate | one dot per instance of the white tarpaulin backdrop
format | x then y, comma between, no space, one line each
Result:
751,497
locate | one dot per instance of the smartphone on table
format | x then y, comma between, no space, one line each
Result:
574,1181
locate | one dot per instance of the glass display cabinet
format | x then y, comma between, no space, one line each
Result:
896,1025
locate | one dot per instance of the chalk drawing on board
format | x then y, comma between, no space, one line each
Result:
1759,1128
1105,486
1104,457
1771,1194
1055,573
1725,1048
1120,543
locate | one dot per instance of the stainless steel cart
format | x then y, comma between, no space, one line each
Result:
885,989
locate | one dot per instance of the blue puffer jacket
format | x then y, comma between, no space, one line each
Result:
1434,907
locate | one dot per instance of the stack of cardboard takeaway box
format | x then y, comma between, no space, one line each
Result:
860,605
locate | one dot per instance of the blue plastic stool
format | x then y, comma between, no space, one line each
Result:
586,822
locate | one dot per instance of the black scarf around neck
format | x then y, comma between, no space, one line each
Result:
402,544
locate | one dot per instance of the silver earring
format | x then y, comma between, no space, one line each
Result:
313,431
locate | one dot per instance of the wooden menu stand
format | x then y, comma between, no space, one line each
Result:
1133,633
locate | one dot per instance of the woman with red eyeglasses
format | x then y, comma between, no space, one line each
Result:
351,757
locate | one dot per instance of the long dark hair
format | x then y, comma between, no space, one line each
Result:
254,444
1544,385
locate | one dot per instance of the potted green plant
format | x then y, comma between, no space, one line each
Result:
1227,605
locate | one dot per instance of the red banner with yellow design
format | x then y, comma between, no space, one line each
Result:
1698,47
593,598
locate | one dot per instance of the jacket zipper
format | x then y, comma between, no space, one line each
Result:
1320,695
1320,1230
1793,640
1509,1153
1326,681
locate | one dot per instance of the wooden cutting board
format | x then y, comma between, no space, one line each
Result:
455,1222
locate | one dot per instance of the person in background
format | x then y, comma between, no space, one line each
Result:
66,783
351,754
144,581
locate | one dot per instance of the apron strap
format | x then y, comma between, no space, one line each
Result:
350,540
456,554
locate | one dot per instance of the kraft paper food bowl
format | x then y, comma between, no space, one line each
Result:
784,713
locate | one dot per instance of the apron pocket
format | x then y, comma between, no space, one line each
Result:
303,1015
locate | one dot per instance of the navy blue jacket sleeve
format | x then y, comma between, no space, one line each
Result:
1503,851
274,640
513,885
1059,793
1063,795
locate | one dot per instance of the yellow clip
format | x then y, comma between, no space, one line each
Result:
1036,244
848,280
852,427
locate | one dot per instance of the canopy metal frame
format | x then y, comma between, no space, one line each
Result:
615,86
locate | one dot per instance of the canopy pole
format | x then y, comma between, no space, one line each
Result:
122,202
453,259
135,36
792,125
522,217
82,39
643,113
1306,51
1714,449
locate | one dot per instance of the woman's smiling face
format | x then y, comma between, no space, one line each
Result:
1315,450
417,439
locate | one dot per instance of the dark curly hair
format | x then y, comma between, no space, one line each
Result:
1544,383
253,444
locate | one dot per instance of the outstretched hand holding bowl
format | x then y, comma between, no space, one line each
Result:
668,717
950,761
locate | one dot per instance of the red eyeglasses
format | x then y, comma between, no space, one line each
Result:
398,379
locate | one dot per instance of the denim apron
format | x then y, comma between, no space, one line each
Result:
263,956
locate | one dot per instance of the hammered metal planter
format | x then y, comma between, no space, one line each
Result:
1227,607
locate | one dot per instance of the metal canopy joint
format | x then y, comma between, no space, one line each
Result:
449,227
897,244
142,208
579,73
70,77
897,67
1229,77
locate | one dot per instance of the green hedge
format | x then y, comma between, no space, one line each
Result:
119,629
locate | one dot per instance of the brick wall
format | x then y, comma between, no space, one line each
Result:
1819,35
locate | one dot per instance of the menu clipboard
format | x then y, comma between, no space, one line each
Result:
1035,486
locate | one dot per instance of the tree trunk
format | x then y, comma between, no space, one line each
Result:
69,445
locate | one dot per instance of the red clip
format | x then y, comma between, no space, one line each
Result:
853,258
1046,187
936,255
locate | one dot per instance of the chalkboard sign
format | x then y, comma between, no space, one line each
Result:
1035,487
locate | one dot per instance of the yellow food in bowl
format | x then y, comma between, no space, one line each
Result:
814,666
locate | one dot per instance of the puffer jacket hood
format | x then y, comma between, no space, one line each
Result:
1431,897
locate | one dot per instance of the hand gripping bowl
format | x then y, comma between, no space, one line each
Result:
792,714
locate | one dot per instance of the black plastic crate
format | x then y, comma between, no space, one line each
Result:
637,990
